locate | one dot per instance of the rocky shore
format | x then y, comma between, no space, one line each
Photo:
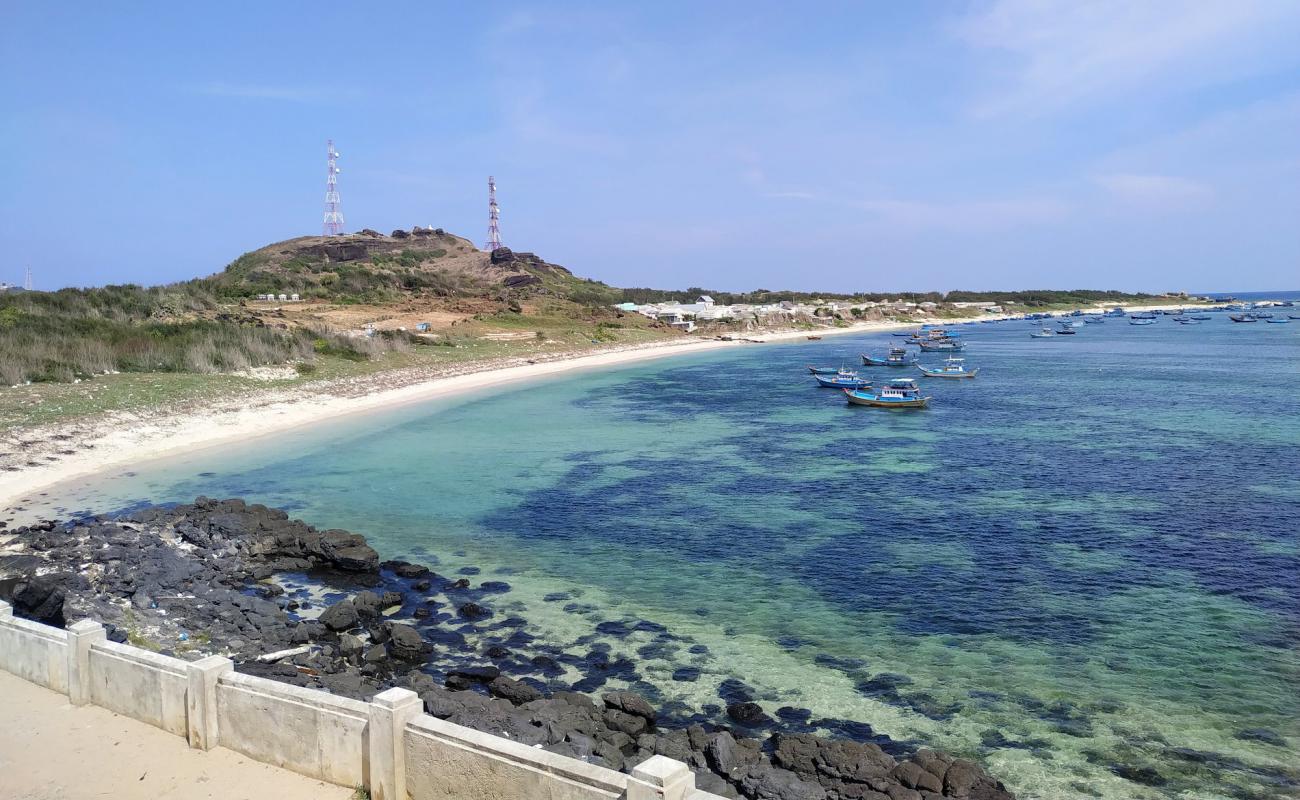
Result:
211,577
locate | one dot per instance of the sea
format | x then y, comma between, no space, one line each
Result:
1081,568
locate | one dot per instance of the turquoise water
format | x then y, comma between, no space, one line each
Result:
1082,567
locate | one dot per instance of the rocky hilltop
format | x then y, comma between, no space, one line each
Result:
372,264
211,577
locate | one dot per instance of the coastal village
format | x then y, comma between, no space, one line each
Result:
688,316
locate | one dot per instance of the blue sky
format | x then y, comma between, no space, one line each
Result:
845,146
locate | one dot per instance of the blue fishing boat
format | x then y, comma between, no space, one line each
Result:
843,381
824,370
897,357
1142,321
1200,317
1094,320
1144,315
1066,330
1186,321
1293,316
1278,320
1243,318
898,393
1045,333
953,368
1070,324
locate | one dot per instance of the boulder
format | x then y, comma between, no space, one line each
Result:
512,690
473,611
731,757
960,778
40,598
750,715
765,782
404,642
341,616
913,776
630,703
630,724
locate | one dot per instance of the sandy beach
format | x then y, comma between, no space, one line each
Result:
116,440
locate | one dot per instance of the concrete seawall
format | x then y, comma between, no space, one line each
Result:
387,746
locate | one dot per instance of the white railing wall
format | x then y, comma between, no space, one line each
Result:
388,746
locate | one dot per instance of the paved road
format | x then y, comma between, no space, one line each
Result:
50,750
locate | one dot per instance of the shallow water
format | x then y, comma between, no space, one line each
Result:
1082,567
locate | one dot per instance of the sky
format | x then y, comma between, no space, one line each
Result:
878,146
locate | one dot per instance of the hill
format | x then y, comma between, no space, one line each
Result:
363,297
370,267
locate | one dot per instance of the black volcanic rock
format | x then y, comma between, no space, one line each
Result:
201,567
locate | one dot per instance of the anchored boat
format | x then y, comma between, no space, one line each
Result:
897,357
1045,333
843,380
953,368
1142,321
1243,318
824,370
898,393
941,345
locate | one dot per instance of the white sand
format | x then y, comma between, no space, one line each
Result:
123,438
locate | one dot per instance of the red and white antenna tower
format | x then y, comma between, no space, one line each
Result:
333,216
494,217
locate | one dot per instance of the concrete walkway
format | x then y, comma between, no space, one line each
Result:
50,750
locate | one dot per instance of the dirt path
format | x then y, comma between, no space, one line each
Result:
50,750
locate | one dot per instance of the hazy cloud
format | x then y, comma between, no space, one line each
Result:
293,94
1065,51
978,216
1157,192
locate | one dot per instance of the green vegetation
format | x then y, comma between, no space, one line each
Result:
73,334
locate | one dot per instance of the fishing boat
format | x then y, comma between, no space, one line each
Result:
1200,317
814,338
1142,321
1243,318
1069,324
1144,315
1094,321
1186,321
904,335
1066,330
1045,333
824,370
1278,320
843,380
954,367
941,345
898,393
897,357
1293,316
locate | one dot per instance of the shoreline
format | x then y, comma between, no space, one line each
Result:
124,438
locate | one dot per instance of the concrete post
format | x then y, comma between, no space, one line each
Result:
6,610
389,712
201,700
660,778
81,635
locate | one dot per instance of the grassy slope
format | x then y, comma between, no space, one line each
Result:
43,403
